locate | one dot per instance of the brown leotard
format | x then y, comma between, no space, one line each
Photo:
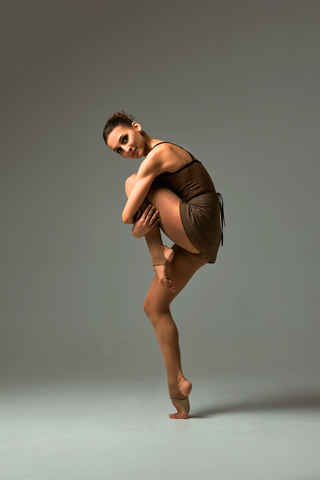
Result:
201,207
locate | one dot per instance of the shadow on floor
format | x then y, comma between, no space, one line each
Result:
289,401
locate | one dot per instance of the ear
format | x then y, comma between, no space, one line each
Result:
136,126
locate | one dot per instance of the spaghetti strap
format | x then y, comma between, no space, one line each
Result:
175,146
210,188
221,215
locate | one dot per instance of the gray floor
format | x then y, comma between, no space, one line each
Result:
257,428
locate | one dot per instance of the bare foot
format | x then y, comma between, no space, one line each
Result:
183,405
161,271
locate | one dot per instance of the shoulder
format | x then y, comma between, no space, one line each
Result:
158,160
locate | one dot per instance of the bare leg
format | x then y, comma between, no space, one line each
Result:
160,254
168,203
182,267
156,306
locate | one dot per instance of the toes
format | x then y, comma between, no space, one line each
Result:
171,288
181,416
167,284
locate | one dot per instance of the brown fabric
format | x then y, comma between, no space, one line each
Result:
200,208
188,182
201,220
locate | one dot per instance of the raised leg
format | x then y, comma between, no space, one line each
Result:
160,254
157,308
157,303
168,203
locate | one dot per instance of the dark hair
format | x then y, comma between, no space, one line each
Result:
118,118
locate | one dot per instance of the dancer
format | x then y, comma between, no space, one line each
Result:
171,191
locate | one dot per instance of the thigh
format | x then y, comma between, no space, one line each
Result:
168,204
182,268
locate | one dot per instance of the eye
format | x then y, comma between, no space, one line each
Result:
124,139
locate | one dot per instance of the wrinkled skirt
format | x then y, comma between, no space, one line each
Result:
203,218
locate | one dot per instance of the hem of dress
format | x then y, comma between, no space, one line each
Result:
184,228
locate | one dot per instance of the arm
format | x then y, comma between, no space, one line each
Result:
133,219
147,172
138,194
146,221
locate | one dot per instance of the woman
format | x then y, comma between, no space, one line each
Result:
171,190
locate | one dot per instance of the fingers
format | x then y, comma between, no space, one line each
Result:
168,284
146,212
150,214
157,220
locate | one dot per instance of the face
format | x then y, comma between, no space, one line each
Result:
127,142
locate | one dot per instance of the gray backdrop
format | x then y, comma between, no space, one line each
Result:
236,83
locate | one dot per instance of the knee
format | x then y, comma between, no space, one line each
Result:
148,308
153,310
129,183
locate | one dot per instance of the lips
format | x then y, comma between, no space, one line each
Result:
134,152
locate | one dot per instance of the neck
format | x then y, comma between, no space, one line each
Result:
150,143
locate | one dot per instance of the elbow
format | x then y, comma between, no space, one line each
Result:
126,219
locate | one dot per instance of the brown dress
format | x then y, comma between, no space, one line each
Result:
201,207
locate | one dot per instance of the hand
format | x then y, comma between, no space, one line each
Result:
148,220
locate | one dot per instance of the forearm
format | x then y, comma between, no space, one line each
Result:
152,236
131,220
136,198
135,218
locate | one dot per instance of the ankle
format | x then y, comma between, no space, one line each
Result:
180,376
156,251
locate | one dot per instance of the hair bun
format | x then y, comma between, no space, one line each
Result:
118,118
122,114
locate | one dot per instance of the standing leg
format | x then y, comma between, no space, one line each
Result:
182,267
156,306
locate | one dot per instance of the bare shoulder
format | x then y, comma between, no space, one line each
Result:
165,157
156,161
